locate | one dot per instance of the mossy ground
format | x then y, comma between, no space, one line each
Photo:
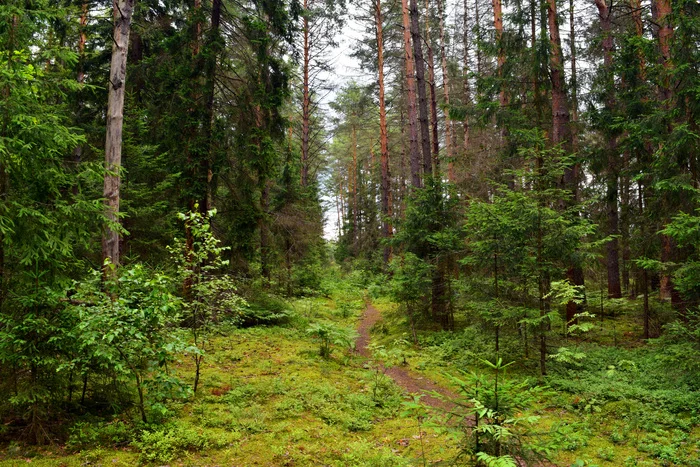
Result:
267,398
618,408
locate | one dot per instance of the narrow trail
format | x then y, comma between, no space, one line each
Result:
411,382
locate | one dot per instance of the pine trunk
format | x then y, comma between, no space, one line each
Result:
561,130
467,91
433,93
415,158
612,248
122,12
383,136
422,94
306,100
446,92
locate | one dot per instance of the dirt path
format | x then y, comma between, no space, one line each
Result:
411,382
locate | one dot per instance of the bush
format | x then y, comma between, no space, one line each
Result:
329,334
85,435
264,309
162,446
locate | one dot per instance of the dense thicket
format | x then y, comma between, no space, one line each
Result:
200,118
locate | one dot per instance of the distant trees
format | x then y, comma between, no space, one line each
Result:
625,148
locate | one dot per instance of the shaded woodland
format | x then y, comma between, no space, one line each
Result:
529,170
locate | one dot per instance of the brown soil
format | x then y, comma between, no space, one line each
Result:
411,382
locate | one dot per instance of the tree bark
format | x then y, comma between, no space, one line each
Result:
353,177
612,248
446,93
422,95
121,14
306,99
498,27
415,159
561,130
209,118
467,91
433,93
383,136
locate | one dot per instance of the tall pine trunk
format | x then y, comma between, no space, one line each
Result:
385,184
612,248
433,93
467,91
561,131
121,14
446,92
422,94
415,159
306,99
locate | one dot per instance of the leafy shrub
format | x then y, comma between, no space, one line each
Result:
133,334
164,445
570,436
85,435
264,309
329,334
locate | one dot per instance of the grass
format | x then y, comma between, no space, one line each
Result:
266,398
623,404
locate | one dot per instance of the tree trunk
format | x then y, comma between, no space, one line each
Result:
306,100
264,234
498,27
446,93
663,32
383,137
612,248
467,92
433,93
355,223
422,95
411,96
209,118
121,14
561,131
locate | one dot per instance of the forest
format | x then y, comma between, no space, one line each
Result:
481,249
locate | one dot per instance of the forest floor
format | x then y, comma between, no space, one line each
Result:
409,381
267,398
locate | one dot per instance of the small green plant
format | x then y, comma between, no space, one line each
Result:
328,335
418,412
162,446
495,406
208,296
607,454
85,435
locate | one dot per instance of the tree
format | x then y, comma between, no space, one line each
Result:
121,14
383,136
420,85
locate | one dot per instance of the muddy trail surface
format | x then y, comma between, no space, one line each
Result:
409,381
412,382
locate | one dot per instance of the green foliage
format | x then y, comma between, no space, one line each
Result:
133,336
329,335
163,445
208,296
264,308
90,435
496,404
